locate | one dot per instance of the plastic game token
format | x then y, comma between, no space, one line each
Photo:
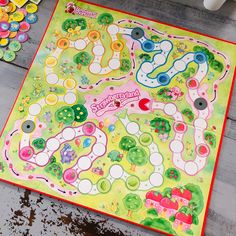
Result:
15,46
3,2
28,126
17,16
4,42
12,35
14,26
3,16
31,8
9,56
23,11
12,6
22,37
31,18
1,53
137,33
4,26
24,26
200,103
5,34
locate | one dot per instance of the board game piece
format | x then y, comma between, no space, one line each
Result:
15,46
14,26
19,3
4,26
22,37
118,114
4,2
24,26
3,41
31,18
9,56
31,8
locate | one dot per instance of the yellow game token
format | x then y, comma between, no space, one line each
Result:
12,35
17,16
51,99
51,61
69,84
3,16
12,6
31,8
4,42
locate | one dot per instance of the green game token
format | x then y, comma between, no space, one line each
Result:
9,56
145,139
132,183
1,53
15,46
104,185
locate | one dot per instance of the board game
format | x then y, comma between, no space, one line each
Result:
122,115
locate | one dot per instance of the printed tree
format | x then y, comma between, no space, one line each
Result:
55,169
82,23
197,201
80,113
155,38
173,174
125,65
163,93
39,143
161,125
69,24
137,156
145,57
115,155
105,19
132,203
126,143
189,114
160,224
65,115
188,73
210,138
217,66
214,64
82,59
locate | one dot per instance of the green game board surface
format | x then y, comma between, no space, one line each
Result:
122,115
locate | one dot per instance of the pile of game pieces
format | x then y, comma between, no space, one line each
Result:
15,22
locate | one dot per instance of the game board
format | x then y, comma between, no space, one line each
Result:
122,115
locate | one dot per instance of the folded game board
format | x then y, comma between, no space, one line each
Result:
122,115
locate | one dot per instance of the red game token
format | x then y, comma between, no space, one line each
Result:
3,2
24,26
5,34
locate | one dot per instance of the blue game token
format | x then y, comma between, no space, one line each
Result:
148,46
163,79
200,57
4,26
31,18
14,26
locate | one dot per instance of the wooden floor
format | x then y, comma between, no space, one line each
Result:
26,213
